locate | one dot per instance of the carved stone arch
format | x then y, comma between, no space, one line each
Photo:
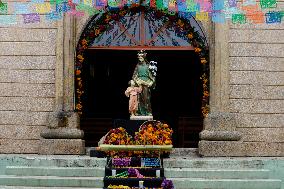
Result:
184,27
70,29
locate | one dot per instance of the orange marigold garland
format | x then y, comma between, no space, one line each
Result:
91,32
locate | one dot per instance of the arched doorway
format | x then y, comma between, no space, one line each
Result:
108,49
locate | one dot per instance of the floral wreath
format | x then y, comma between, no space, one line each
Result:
182,28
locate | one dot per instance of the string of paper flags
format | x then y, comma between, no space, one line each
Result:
219,11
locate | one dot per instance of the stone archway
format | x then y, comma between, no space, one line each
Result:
176,32
69,32
190,37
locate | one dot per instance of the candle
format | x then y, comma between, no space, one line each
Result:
158,173
113,172
141,184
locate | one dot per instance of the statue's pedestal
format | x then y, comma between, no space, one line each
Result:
144,118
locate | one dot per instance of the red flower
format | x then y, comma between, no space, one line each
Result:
92,34
102,27
115,17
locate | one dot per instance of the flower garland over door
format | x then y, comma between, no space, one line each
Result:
172,30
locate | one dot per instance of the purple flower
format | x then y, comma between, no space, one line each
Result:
132,172
167,184
121,162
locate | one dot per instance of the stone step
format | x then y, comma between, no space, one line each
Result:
56,171
184,152
217,173
51,181
85,161
51,161
198,183
213,163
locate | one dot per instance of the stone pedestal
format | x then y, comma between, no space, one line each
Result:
219,137
63,132
62,135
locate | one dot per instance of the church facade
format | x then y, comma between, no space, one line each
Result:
38,112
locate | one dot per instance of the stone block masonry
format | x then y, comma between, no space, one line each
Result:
27,84
256,86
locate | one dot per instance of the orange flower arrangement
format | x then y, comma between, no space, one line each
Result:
155,133
150,133
118,136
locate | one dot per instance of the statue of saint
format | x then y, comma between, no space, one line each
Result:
144,78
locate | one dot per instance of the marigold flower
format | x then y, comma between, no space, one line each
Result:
78,72
203,61
79,107
122,13
80,58
206,93
197,50
180,23
97,32
108,18
84,42
190,36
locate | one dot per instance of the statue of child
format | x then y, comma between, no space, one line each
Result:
132,92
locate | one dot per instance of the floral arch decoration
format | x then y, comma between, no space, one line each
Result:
100,23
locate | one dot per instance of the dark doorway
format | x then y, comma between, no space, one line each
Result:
175,100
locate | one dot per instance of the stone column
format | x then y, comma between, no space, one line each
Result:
63,134
219,137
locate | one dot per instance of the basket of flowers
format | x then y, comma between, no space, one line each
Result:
154,133
117,136
153,139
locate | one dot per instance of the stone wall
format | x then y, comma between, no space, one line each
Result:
256,56
27,84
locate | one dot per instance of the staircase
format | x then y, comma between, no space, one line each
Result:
58,172
81,172
219,173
